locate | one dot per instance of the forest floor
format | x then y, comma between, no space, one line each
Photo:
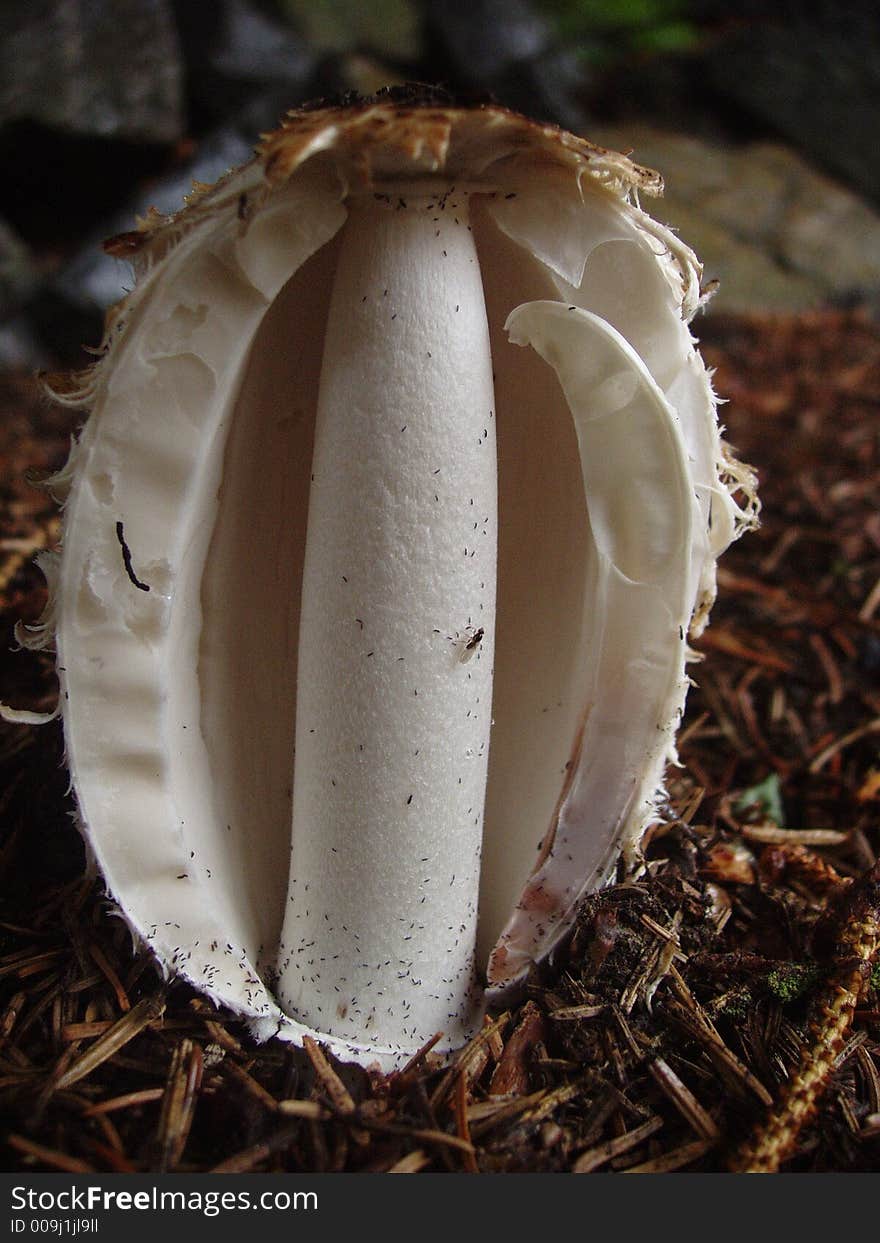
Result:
719,1011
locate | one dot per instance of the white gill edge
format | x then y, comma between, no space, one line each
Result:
651,302
643,513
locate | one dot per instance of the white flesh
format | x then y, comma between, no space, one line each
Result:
630,681
133,664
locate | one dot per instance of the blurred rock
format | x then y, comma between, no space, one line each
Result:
108,68
20,277
20,347
829,233
240,59
18,271
486,39
812,73
92,281
777,234
63,312
365,74
559,80
507,50
389,29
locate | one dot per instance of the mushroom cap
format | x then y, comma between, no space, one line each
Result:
382,140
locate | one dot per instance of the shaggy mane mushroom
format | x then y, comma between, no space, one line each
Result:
401,491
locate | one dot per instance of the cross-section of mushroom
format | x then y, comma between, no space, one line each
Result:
401,492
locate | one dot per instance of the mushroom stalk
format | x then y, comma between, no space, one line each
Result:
396,635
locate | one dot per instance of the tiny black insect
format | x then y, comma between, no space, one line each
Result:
474,640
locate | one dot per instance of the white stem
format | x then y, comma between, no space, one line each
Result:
396,637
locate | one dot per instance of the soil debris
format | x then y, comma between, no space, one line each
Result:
718,1010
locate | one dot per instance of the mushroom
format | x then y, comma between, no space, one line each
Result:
358,706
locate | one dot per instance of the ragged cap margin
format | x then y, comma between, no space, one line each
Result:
372,141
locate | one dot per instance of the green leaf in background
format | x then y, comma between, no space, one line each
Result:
623,26
767,797
669,37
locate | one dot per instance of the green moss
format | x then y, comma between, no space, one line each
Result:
791,980
736,1004
875,976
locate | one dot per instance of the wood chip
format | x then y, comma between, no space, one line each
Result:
424,1135
178,1104
461,1124
773,835
550,1101
666,934
699,1024
840,744
57,1160
471,1060
224,1038
243,1162
871,1076
732,645
420,1055
411,1163
236,1073
593,1158
484,1116
339,1095
314,1111
27,963
129,1100
568,1013
684,1100
139,1017
103,965
829,667
330,1081
10,1015
675,1159
71,1033
512,1074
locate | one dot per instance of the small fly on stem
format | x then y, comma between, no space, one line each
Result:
475,638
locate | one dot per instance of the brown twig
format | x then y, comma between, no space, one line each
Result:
775,1139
